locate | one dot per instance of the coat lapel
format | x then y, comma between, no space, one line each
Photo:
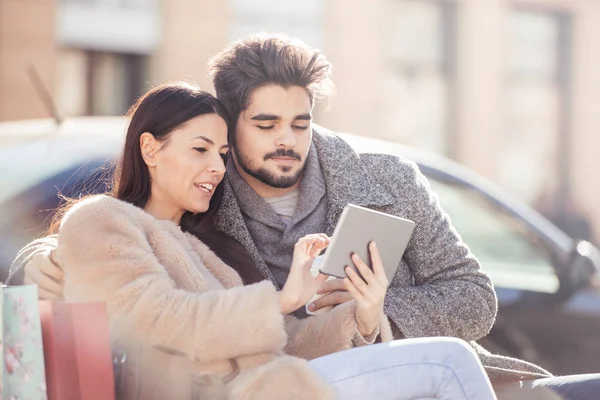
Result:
230,221
347,180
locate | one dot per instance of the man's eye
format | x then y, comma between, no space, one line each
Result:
302,128
200,149
265,128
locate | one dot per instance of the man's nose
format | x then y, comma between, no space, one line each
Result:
287,138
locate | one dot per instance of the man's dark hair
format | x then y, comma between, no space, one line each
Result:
264,59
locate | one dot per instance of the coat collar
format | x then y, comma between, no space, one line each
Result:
230,221
346,179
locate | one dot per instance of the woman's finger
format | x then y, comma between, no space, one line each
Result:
323,236
305,244
304,240
318,247
313,236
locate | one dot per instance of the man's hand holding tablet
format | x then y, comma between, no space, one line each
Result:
357,227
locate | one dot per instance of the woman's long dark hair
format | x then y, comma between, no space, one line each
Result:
160,111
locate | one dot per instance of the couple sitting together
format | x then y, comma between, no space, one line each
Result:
203,253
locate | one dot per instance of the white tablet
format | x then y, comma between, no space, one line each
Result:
356,228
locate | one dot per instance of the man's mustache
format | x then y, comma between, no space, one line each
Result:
283,153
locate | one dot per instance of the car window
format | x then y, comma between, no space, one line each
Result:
27,164
507,249
27,215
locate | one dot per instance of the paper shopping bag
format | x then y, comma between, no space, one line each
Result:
23,375
77,351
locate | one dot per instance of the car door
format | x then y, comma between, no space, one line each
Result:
533,322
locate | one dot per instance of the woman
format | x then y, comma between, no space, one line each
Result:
167,293
188,325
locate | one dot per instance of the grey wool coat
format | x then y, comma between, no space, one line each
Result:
439,288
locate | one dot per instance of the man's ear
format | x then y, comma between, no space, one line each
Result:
148,147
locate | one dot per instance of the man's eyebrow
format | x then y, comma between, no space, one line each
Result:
306,117
265,117
272,117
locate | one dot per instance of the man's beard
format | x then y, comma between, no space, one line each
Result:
267,177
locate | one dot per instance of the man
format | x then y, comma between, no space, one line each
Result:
288,178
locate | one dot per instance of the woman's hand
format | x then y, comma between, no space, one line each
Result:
368,291
301,285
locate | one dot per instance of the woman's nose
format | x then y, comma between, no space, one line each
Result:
217,165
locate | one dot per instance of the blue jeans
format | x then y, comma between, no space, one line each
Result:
427,368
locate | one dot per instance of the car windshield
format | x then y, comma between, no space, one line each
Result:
507,249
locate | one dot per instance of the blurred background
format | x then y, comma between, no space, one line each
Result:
504,89
509,88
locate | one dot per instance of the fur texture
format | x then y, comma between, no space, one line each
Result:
186,321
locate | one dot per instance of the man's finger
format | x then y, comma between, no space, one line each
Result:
45,263
33,275
53,271
332,286
356,294
363,268
27,280
49,284
332,299
358,282
321,278
378,269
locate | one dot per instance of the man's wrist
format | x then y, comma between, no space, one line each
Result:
365,330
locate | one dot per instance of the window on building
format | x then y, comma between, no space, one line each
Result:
301,19
534,103
98,83
416,89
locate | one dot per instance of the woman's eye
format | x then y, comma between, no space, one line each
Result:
224,156
265,128
200,149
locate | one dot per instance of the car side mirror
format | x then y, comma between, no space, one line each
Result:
584,263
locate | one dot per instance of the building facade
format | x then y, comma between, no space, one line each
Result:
507,87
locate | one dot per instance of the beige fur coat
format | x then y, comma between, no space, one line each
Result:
188,325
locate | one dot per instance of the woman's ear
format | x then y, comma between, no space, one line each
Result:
148,147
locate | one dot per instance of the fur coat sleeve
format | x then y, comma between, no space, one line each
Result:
107,256
315,336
